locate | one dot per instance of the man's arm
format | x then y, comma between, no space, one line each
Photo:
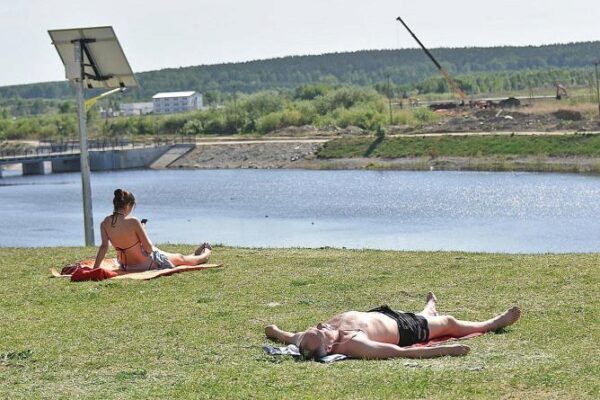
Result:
369,349
273,332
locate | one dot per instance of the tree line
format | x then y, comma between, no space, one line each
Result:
407,69
321,105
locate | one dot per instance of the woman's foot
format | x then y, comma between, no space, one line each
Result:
202,248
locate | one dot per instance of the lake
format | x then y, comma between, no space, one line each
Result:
401,210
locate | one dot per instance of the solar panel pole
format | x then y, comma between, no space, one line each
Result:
83,144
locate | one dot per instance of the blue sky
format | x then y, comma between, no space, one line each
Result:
174,33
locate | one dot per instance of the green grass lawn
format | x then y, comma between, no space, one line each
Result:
199,334
463,146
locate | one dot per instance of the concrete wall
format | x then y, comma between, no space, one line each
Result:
70,165
124,159
101,161
33,168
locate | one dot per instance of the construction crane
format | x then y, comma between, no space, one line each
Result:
457,90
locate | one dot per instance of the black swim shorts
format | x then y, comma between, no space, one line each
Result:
411,327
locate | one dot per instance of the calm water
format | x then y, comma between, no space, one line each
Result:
474,211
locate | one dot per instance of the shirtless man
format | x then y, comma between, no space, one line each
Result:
385,333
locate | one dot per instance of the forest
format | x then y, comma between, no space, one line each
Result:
327,91
480,70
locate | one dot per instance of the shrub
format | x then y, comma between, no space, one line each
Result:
346,97
424,115
364,116
262,103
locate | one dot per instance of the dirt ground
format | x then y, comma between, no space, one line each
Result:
513,120
250,155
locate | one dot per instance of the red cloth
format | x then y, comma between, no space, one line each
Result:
89,274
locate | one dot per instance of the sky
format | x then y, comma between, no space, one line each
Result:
175,33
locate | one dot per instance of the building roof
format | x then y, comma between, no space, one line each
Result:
164,95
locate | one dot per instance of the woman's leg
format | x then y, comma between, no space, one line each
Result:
192,259
448,325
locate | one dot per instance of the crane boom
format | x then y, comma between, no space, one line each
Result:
442,70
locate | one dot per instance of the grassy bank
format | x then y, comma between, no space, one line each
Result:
579,145
198,335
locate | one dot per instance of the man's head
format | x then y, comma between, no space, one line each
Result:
317,342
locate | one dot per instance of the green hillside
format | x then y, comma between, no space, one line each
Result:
508,68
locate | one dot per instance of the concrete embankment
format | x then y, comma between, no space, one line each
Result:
250,154
302,154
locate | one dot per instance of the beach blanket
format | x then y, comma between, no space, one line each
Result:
109,269
293,350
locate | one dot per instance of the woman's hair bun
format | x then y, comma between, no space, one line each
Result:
122,198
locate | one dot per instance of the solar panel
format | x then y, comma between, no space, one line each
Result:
105,64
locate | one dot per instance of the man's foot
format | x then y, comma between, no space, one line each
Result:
430,306
202,248
431,297
505,319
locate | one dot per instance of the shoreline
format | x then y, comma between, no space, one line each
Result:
492,164
302,154
584,165
220,246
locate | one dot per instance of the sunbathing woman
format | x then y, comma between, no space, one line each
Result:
135,251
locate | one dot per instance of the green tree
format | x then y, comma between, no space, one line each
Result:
65,107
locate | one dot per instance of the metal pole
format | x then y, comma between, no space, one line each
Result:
597,87
390,99
88,222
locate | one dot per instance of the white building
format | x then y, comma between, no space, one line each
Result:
129,109
174,102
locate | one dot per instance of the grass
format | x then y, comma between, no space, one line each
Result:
464,146
198,335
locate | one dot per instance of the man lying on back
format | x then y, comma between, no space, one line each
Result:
385,333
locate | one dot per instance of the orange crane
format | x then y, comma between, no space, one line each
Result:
455,88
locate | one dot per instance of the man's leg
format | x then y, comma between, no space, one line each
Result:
430,310
448,325
273,332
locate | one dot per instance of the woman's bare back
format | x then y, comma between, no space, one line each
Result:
123,233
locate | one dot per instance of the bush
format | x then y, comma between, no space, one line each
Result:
262,103
310,92
364,116
424,115
192,127
346,97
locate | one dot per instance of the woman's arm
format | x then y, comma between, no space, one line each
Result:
142,235
103,248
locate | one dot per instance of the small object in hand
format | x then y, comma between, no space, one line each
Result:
144,221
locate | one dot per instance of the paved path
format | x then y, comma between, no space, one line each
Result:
234,140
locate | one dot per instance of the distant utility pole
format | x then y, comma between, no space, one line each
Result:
597,86
389,99
235,108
